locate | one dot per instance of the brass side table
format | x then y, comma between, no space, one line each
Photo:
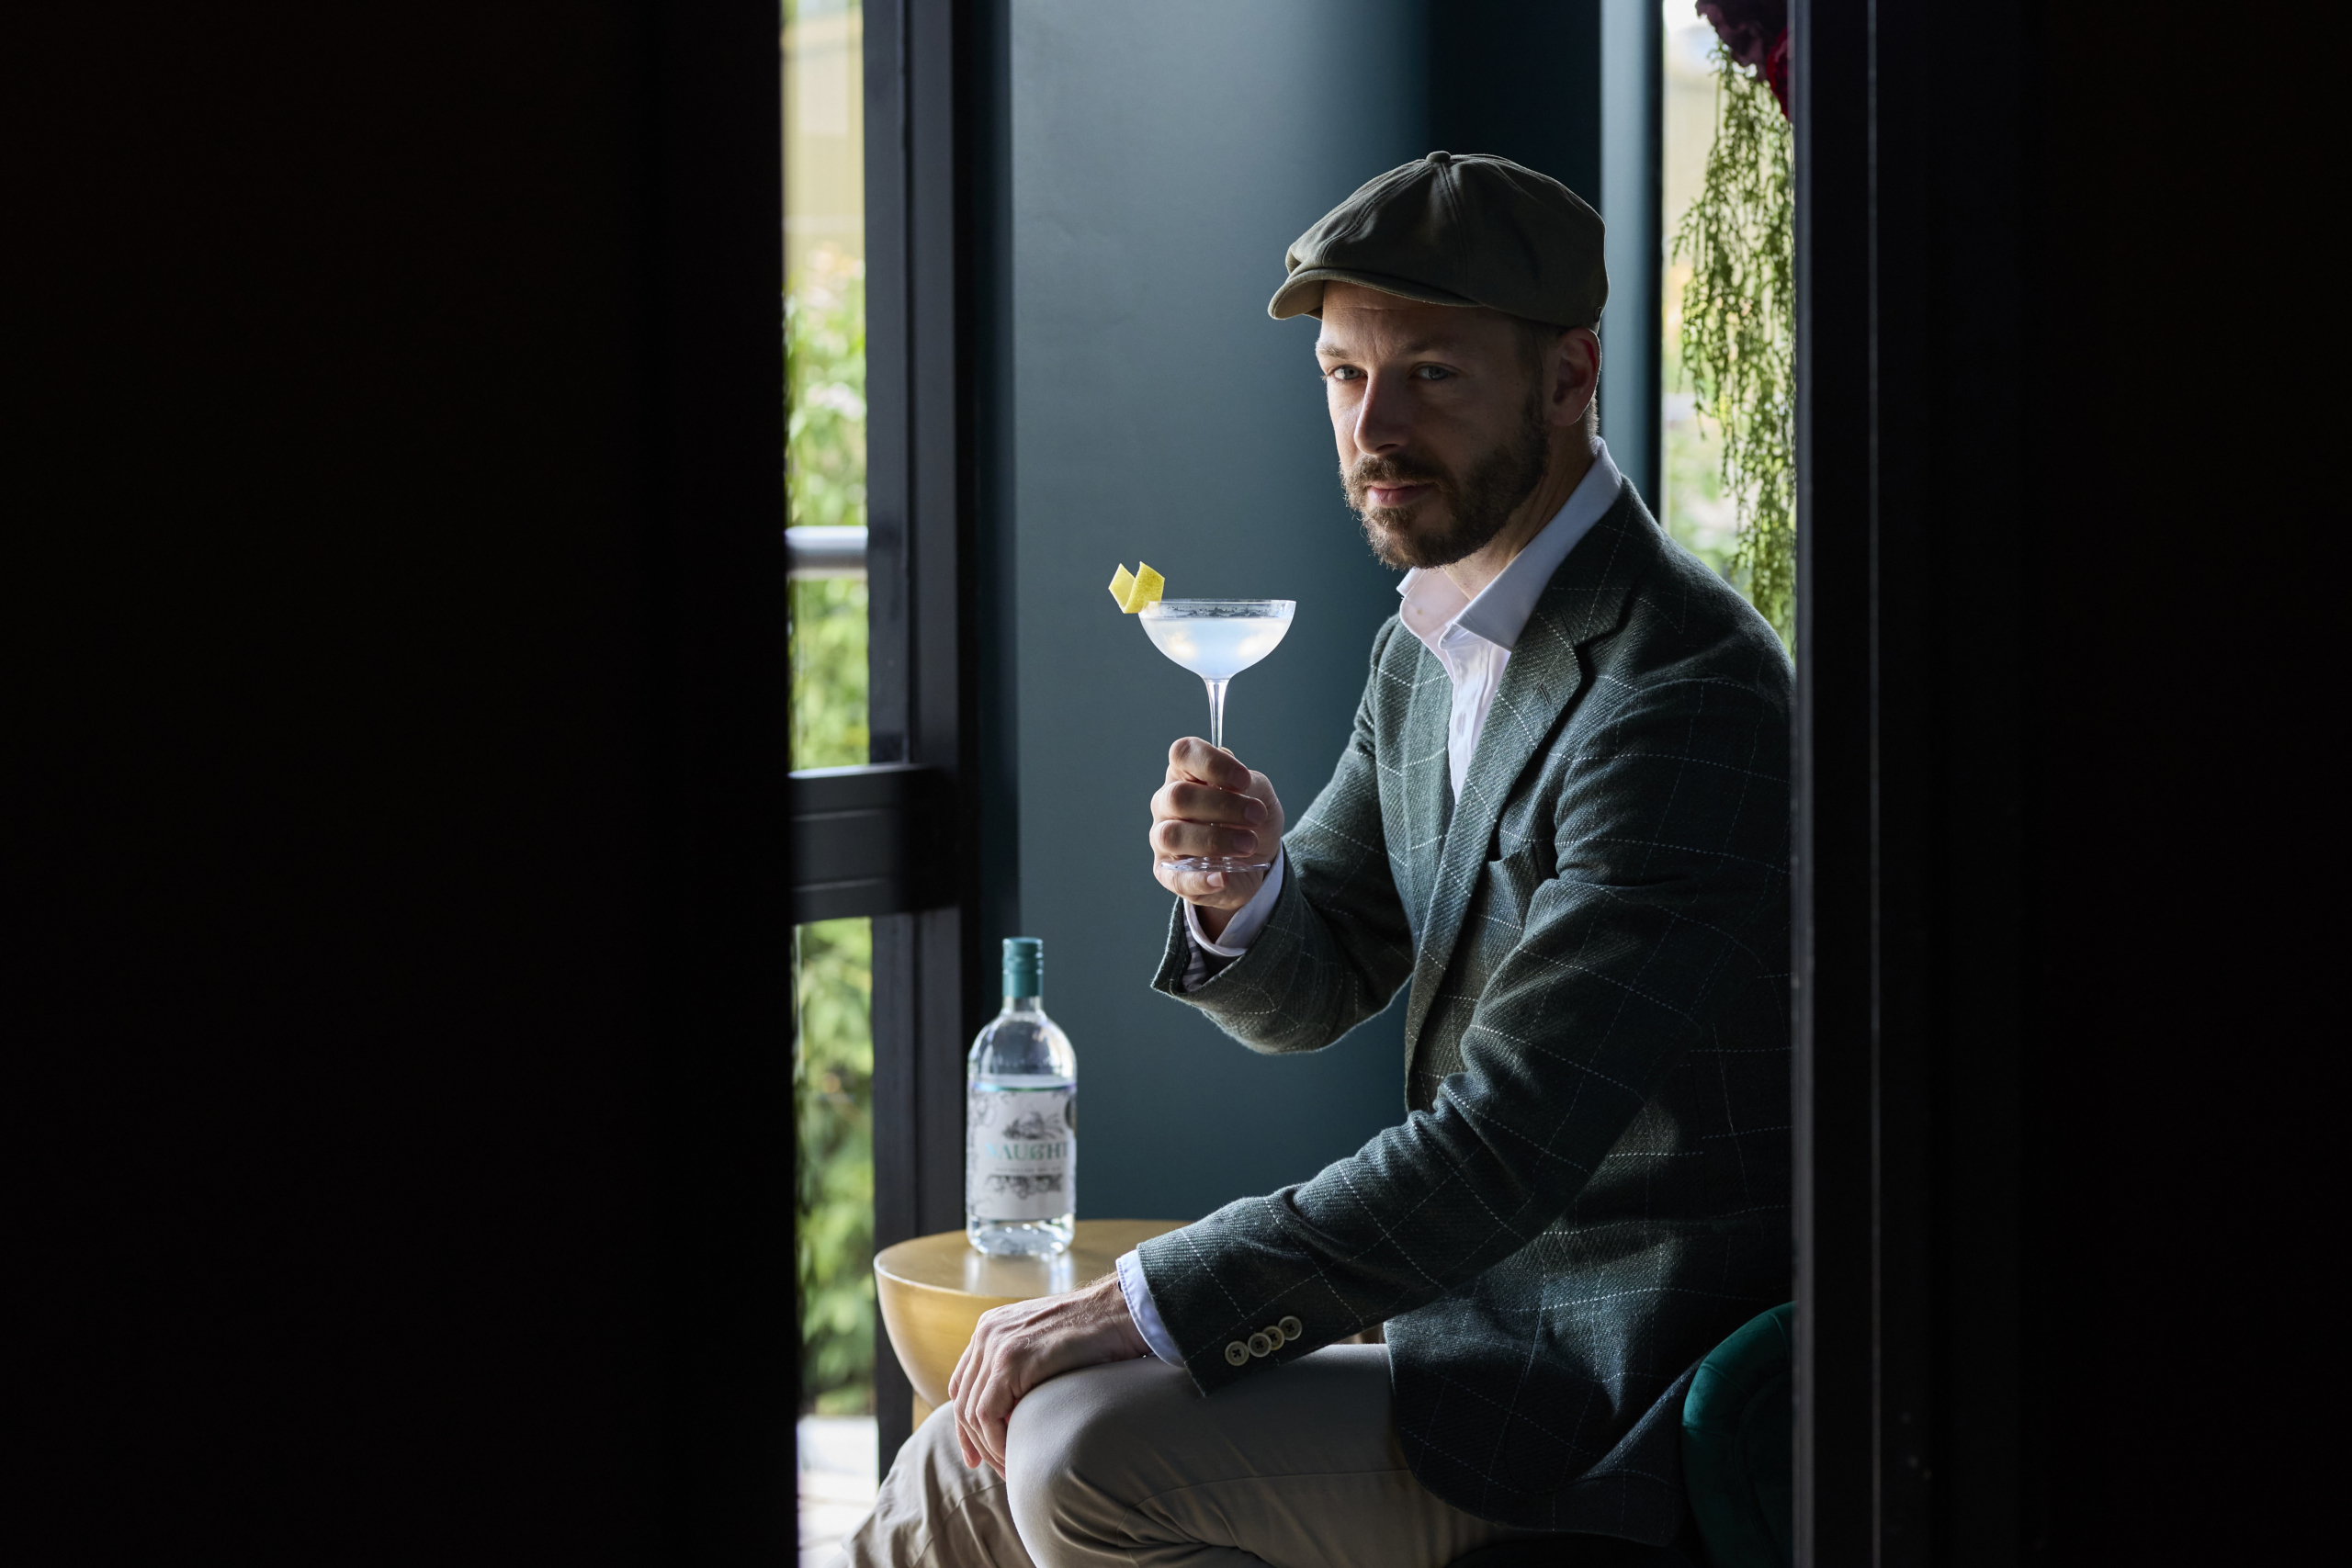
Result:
933,1289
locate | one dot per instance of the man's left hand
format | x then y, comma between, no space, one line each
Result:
1018,1346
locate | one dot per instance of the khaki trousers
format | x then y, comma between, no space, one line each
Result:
1297,1467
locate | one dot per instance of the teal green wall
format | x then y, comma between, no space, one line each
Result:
1161,157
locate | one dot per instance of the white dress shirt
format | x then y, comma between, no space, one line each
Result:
1472,638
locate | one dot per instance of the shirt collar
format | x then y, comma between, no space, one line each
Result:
1433,605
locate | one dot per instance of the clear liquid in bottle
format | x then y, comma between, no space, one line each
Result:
1020,1122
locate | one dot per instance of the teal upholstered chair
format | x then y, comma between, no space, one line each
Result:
1738,1436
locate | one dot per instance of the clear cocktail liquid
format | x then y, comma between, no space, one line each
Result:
1216,639
1216,647
1020,1121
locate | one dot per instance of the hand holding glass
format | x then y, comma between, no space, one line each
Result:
1216,639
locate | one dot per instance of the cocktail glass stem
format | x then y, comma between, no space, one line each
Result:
1217,712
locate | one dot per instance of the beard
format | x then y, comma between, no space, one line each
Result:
1478,502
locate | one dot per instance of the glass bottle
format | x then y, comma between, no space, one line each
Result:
1020,1121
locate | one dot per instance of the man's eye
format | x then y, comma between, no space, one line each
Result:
1343,373
1432,372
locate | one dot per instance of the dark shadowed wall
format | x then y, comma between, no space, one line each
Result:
398,1015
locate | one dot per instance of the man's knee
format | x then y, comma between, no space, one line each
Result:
1056,1427
1073,1442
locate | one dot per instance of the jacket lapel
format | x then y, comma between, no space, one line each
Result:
1427,788
1586,597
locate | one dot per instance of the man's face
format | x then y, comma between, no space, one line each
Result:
1440,420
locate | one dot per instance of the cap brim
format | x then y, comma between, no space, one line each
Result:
1302,293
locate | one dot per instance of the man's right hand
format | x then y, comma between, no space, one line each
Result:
1212,805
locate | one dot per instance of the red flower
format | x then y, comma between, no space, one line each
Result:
1755,33
1747,27
1776,71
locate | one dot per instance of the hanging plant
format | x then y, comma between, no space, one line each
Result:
1740,306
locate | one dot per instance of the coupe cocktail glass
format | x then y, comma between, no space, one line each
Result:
1217,639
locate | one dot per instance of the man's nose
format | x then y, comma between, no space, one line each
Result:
1385,419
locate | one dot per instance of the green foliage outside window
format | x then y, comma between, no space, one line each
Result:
833,960
1738,331
828,673
1695,513
833,1095
824,390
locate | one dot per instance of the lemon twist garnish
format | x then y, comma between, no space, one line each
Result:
1134,592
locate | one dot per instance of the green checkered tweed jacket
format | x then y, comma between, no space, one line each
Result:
1591,1186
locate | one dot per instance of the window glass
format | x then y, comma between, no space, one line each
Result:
1694,508
823,58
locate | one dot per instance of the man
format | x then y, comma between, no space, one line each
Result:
1562,820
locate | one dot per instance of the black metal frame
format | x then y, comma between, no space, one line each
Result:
1835,1437
1915,910
1636,359
877,840
935,882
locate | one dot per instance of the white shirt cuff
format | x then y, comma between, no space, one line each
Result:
1146,1314
1248,921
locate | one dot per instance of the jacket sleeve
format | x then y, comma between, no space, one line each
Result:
1336,947
1664,873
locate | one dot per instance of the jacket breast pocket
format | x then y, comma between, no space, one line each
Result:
1511,881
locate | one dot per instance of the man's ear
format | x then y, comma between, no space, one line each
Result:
1575,375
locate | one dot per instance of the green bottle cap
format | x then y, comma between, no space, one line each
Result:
1025,967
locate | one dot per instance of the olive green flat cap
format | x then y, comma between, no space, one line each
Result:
1457,229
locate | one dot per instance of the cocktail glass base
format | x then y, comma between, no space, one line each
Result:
1214,862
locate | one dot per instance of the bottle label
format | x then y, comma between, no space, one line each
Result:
1021,1152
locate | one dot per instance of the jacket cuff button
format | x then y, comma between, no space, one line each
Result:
1293,1329
1236,1353
1259,1344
